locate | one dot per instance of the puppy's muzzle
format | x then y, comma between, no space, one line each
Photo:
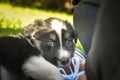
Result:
64,60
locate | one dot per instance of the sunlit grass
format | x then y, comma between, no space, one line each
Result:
18,17
13,19
28,15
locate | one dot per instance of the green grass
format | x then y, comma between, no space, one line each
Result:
18,17
14,18
27,15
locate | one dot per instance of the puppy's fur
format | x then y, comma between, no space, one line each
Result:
43,44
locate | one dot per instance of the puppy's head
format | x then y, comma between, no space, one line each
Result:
54,37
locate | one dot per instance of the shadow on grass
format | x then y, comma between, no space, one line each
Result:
10,31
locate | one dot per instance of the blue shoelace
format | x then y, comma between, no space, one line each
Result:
76,64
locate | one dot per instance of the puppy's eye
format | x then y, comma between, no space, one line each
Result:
51,43
69,40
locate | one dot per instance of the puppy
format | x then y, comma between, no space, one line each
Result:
43,45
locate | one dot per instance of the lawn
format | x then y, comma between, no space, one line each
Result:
14,18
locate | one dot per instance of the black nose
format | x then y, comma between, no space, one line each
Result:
64,60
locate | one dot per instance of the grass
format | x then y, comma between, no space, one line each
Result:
14,18
17,17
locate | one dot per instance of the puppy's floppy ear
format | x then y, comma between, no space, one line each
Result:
28,31
75,35
32,28
72,31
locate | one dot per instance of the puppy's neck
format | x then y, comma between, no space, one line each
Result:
28,40
33,42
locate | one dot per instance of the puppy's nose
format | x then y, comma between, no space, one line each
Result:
64,60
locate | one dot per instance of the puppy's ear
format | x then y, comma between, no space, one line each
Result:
32,28
72,31
28,31
75,35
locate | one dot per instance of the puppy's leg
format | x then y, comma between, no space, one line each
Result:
5,75
38,68
0,72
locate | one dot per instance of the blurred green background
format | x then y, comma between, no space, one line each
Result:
15,14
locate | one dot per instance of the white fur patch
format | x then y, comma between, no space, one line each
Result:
64,53
58,26
38,68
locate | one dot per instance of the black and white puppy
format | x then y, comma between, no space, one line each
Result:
44,44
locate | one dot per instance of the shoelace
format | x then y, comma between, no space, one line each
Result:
76,64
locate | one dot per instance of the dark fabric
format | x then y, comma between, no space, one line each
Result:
84,21
101,33
104,56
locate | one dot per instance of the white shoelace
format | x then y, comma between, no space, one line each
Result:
76,60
